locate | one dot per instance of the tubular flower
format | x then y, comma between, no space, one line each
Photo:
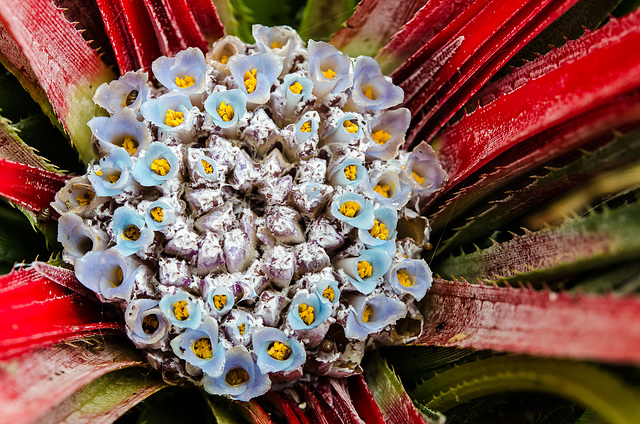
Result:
130,231
146,325
371,90
184,73
122,129
219,301
200,347
283,41
171,112
423,171
383,230
127,92
353,209
255,74
297,90
387,133
159,215
182,310
78,238
226,108
330,70
158,165
277,352
113,174
77,197
107,273
222,50
371,314
348,172
387,187
307,311
347,129
411,276
364,271
328,291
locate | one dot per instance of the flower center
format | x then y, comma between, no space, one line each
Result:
157,214
329,73
225,111
150,324
379,230
306,127
208,168
132,233
185,82
250,80
366,314
296,88
369,93
202,348
350,172
350,126
219,301
114,177
236,376
173,118
130,144
276,45
241,328
279,351
364,269
382,189
306,313
349,208
417,177
85,198
329,293
404,278
380,136
160,166
224,59
118,276
180,310
131,97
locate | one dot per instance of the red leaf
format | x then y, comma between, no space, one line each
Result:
116,28
363,400
207,18
272,401
184,22
32,187
142,27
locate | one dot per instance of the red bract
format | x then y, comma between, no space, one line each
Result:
32,187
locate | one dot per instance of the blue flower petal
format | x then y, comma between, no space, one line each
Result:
143,172
122,129
292,97
386,215
188,346
157,221
130,231
424,172
113,174
342,173
419,277
322,286
188,63
396,191
145,323
107,273
121,93
268,67
321,310
78,238
220,300
392,124
363,218
263,339
156,110
322,58
182,315
283,41
371,314
377,258
236,99
340,134
371,90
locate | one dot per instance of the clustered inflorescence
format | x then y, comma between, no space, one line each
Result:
254,217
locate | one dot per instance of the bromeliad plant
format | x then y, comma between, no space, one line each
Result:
184,220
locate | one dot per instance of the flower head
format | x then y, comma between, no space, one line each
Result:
113,173
146,325
78,238
122,129
226,108
386,187
371,314
383,230
171,112
371,90
130,231
387,133
255,74
328,291
184,73
364,270
159,215
277,352
423,171
297,89
77,197
157,166
200,347
353,209
283,41
347,129
219,300
127,92
330,69
411,276
307,311
182,310
107,273
348,172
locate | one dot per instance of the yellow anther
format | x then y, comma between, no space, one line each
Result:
208,168
380,136
329,294
296,88
368,92
366,314
241,328
160,166
417,177
382,189
349,208
130,144
364,269
306,127
250,80
279,351
329,73
180,310
113,178
132,233
157,214
350,172
219,301
224,59
225,111
276,45
350,126
185,82
404,278
236,376
202,348
118,276
173,118
85,198
98,172
306,313
379,230
150,324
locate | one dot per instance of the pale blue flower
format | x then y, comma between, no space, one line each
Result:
307,311
107,273
348,172
353,209
371,90
348,128
130,231
171,112
182,310
146,325
241,378
371,314
330,69
184,73
255,74
210,172
113,174
423,171
388,188
228,114
122,129
410,276
328,291
277,352
387,132
364,271
296,89
220,300
129,91
200,347
159,215
384,229
157,166
78,238
283,41
307,127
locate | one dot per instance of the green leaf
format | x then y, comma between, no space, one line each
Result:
236,18
18,241
321,19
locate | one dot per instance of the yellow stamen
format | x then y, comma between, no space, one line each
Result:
380,136
349,208
279,351
250,80
180,310
119,276
364,269
219,301
150,324
208,168
306,313
85,198
157,214
98,172
185,82
236,376
131,233
306,127
368,92
241,328
350,126
202,348
350,172
382,189
224,59
379,230
113,178
225,111
329,73
329,293
160,166
366,314
276,45
296,88
173,118
130,144
404,278
417,177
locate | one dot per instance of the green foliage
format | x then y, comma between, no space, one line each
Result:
321,19
18,241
